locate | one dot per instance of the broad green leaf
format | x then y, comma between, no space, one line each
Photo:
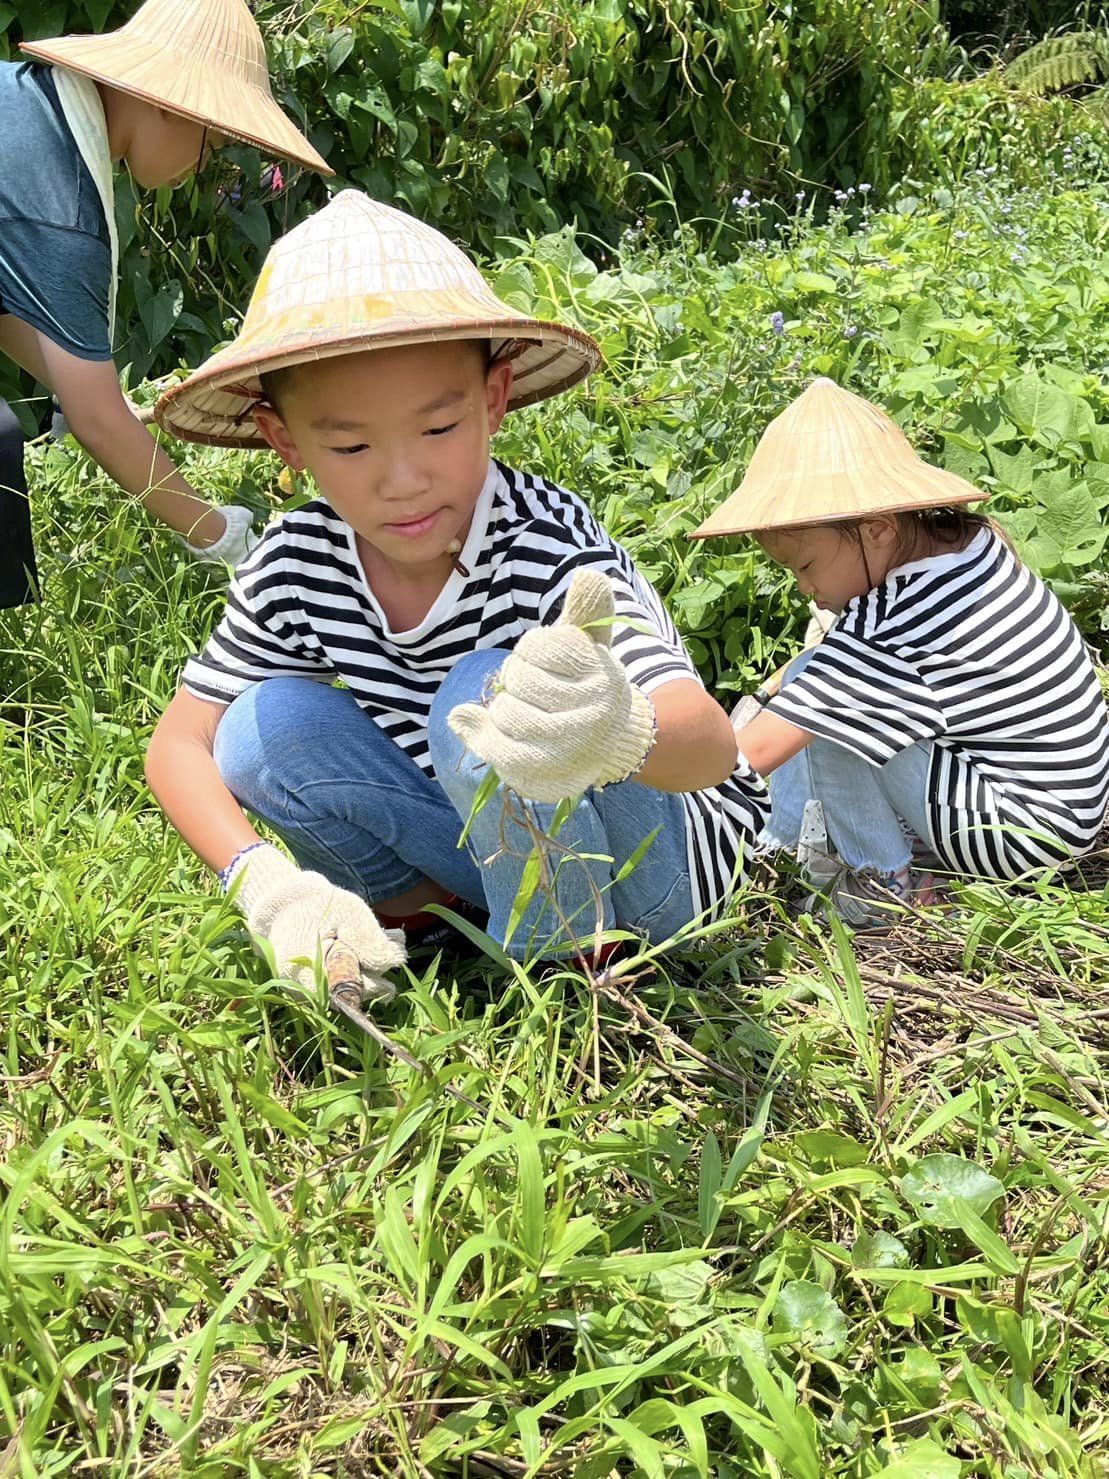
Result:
1073,521
1013,470
941,1187
879,1250
1040,410
806,1310
159,310
814,282
921,1459
907,1302
825,1147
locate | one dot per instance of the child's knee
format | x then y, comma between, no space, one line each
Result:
456,768
265,725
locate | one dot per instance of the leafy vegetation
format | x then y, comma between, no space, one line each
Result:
497,119
1058,62
795,1206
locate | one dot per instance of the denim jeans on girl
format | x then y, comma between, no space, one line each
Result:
352,805
863,804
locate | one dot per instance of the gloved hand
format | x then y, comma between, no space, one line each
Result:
564,715
299,912
820,624
234,544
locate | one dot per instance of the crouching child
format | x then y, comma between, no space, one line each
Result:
951,709
474,615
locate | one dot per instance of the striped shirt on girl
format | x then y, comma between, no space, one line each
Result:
301,606
971,650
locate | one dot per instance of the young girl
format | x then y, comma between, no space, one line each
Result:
952,699
182,78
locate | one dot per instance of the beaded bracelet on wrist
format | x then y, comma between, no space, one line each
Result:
227,874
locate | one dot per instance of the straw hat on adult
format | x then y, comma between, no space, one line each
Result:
829,456
201,59
360,275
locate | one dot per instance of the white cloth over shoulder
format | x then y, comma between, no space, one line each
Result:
84,113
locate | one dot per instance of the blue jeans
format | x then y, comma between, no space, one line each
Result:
352,805
862,803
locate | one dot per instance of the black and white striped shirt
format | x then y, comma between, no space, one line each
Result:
301,606
971,650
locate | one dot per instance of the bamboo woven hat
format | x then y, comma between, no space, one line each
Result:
201,59
832,455
359,275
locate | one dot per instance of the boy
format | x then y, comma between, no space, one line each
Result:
178,81
374,356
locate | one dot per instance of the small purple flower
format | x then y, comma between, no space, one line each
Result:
865,189
850,331
778,323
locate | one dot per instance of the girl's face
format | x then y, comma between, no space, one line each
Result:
831,566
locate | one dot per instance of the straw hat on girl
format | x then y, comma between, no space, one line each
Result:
830,456
359,275
201,59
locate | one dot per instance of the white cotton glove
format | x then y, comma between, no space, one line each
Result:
300,913
234,544
564,716
820,624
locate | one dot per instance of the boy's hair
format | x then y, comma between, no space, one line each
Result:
275,383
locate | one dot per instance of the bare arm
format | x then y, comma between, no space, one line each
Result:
182,774
103,421
769,741
696,746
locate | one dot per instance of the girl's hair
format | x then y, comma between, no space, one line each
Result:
952,527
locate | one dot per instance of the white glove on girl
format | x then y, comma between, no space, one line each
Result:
300,913
564,716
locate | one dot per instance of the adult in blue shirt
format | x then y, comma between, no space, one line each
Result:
181,79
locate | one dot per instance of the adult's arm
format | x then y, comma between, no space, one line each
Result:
103,421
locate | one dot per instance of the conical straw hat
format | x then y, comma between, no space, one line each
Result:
359,275
201,59
832,455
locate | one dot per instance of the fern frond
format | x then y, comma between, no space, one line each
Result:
1098,103
1059,62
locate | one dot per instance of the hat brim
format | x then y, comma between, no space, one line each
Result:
923,487
244,113
215,405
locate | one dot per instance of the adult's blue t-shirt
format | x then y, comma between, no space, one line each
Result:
55,252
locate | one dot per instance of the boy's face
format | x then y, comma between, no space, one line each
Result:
397,441
829,565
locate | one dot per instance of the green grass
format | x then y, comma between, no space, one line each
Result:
699,1227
